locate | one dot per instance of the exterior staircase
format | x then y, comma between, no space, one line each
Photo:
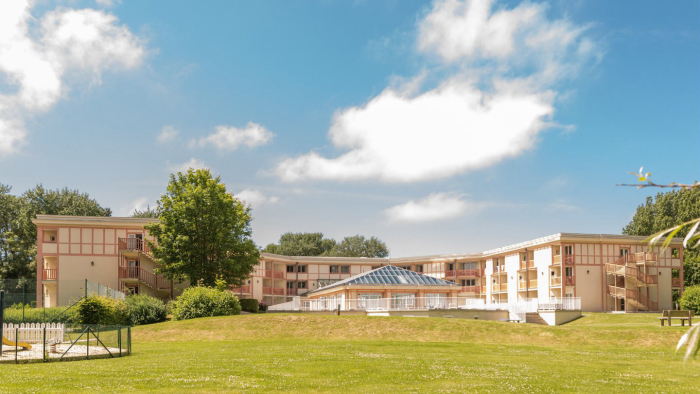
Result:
629,281
534,318
137,247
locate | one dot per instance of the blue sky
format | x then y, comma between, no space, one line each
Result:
439,127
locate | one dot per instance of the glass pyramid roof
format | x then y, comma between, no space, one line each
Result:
390,275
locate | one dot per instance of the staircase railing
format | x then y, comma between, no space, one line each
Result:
146,277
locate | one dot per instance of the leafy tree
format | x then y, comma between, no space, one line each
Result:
203,233
313,244
146,213
302,244
359,246
665,211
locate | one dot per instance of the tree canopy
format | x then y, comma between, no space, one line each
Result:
314,244
146,213
18,233
203,233
666,210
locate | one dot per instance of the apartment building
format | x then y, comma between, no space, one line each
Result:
607,272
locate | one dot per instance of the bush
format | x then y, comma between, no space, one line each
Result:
40,315
142,309
249,305
262,307
102,310
204,302
690,301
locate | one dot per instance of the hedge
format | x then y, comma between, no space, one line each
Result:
205,302
13,315
142,309
249,305
690,301
102,310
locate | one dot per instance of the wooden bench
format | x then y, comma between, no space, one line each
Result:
681,315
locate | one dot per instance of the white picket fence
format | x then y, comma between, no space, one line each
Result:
34,332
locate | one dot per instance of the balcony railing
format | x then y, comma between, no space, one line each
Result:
556,259
267,290
499,287
245,289
634,272
675,282
277,291
134,244
522,285
268,273
468,272
292,292
470,289
645,257
450,273
50,273
527,264
532,283
569,280
278,274
569,259
555,281
483,289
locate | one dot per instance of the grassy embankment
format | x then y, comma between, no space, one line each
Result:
274,352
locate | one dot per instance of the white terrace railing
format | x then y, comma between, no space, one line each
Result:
517,309
34,332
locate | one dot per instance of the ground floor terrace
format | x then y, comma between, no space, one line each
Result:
262,353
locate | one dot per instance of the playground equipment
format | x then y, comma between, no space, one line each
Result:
5,341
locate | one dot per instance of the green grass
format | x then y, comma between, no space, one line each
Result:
293,352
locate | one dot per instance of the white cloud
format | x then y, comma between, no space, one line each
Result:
255,197
435,207
493,107
138,204
35,61
193,163
230,138
108,3
167,134
563,206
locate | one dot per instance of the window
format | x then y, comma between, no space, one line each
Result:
290,268
334,269
406,267
468,266
290,285
675,253
569,271
557,251
419,268
569,250
374,267
301,285
450,267
344,269
468,282
301,269
624,251
49,235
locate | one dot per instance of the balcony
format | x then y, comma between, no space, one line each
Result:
278,274
267,290
50,273
532,284
470,289
569,259
522,285
645,258
133,245
527,264
483,289
245,289
555,281
499,287
277,291
556,259
675,282
569,280
450,273
468,272
292,292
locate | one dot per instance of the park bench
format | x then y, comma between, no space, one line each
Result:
681,315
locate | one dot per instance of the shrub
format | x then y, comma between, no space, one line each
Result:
249,305
102,310
142,309
57,314
691,299
204,302
262,307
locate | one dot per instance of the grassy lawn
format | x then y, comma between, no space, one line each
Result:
292,352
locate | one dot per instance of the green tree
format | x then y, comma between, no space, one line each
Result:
203,233
359,246
146,213
302,244
665,211
314,244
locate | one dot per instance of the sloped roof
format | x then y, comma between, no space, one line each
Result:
389,275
